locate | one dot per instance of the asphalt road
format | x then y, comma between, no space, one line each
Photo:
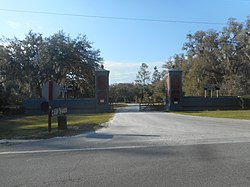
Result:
136,149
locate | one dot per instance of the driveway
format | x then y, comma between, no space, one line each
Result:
162,128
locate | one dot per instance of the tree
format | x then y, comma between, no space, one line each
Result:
156,76
218,59
71,62
158,90
124,92
142,79
235,47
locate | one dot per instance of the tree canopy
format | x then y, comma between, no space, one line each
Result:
216,59
28,63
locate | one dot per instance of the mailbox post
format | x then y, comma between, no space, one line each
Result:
50,90
62,118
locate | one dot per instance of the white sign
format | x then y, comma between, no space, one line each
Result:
55,90
65,89
59,111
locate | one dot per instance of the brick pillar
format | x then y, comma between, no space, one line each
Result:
102,90
174,90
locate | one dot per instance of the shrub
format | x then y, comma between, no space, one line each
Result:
245,102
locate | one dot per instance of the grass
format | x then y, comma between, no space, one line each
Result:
35,127
232,114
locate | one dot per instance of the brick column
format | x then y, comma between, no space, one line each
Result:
102,90
174,90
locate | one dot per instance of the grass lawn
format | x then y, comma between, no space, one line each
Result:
233,114
35,127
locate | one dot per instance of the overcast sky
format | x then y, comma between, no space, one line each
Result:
128,32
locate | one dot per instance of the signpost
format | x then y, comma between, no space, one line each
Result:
61,119
50,91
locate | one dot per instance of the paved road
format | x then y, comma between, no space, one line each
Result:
136,149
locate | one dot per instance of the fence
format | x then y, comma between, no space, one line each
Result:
151,106
220,103
74,106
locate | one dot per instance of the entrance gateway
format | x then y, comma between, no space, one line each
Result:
97,104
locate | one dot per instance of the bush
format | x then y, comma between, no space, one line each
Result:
245,102
12,110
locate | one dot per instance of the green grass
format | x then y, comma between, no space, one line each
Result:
232,114
35,127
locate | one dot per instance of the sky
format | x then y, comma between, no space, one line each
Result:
127,32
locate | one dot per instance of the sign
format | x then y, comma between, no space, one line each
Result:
65,88
50,90
59,111
212,88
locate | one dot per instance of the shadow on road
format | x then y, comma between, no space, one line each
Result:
110,136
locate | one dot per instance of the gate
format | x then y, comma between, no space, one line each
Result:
151,106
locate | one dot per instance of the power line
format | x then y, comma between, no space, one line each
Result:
112,17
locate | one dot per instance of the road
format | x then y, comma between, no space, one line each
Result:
136,149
